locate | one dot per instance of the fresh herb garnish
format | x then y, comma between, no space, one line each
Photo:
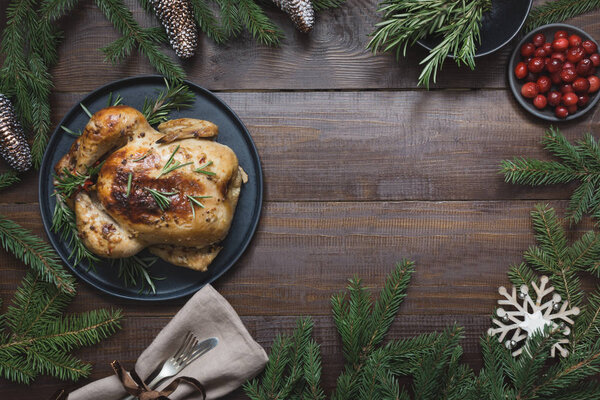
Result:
71,132
203,171
86,110
172,164
135,269
172,98
129,178
161,198
146,154
68,183
194,200
110,102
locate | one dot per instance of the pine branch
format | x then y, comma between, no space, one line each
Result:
320,5
207,21
146,43
7,179
36,253
579,162
41,338
257,23
558,11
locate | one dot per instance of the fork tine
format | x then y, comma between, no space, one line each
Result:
183,346
192,345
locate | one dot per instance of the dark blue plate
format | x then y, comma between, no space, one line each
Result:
178,281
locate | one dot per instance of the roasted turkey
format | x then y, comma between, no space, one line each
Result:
173,191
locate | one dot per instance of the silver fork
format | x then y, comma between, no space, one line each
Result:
189,351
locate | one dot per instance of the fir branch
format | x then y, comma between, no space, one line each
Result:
36,253
175,96
120,16
258,24
558,11
579,162
207,21
320,5
53,10
135,271
7,179
231,25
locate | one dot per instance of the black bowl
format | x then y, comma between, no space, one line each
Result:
515,84
498,26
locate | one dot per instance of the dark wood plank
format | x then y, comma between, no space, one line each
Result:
305,252
138,333
358,146
333,56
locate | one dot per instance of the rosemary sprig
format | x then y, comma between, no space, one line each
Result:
172,164
161,198
68,183
129,178
172,98
134,270
406,22
86,110
146,154
202,170
70,132
110,102
194,200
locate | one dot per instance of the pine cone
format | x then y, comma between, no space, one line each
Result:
178,19
13,143
300,11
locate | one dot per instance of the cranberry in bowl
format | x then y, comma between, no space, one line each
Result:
554,72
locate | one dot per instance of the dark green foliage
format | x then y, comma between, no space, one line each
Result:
175,96
8,179
36,338
36,253
577,162
405,22
558,11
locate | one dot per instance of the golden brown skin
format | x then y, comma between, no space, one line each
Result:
116,223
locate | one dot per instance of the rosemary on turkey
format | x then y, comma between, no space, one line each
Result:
457,24
129,178
172,164
194,201
161,198
202,169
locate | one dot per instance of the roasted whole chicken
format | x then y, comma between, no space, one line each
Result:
173,191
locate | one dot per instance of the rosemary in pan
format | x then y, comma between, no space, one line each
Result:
161,198
68,183
172,98
172,164
134,271
202,170
194,200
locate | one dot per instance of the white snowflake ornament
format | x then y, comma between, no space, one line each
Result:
526,317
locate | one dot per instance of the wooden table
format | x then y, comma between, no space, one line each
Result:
362,168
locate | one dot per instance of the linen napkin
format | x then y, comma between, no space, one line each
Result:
207,314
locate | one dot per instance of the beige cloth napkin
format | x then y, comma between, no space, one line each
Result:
235,359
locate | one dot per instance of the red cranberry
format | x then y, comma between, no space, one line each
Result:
594,83
547,47
567,75
538,40
555,78
544,83
589,47
555,65
561,112
560,44
575,40
536,65
572,109
575,54
568,64
580,85
539,52
559,56
527,49
595,59
554,98
521,70
569,99
529,90
540,102
566,88
582,100
583,67
561,34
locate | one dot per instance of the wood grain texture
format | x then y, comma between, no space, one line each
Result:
333,56
357,146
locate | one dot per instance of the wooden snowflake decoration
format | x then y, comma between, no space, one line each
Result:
526,316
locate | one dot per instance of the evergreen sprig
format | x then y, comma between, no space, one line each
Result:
7,179
576,162
36,338
457,24
135,272
175,96
558,11
36,253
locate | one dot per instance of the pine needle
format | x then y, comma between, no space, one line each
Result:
7,179
559,11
